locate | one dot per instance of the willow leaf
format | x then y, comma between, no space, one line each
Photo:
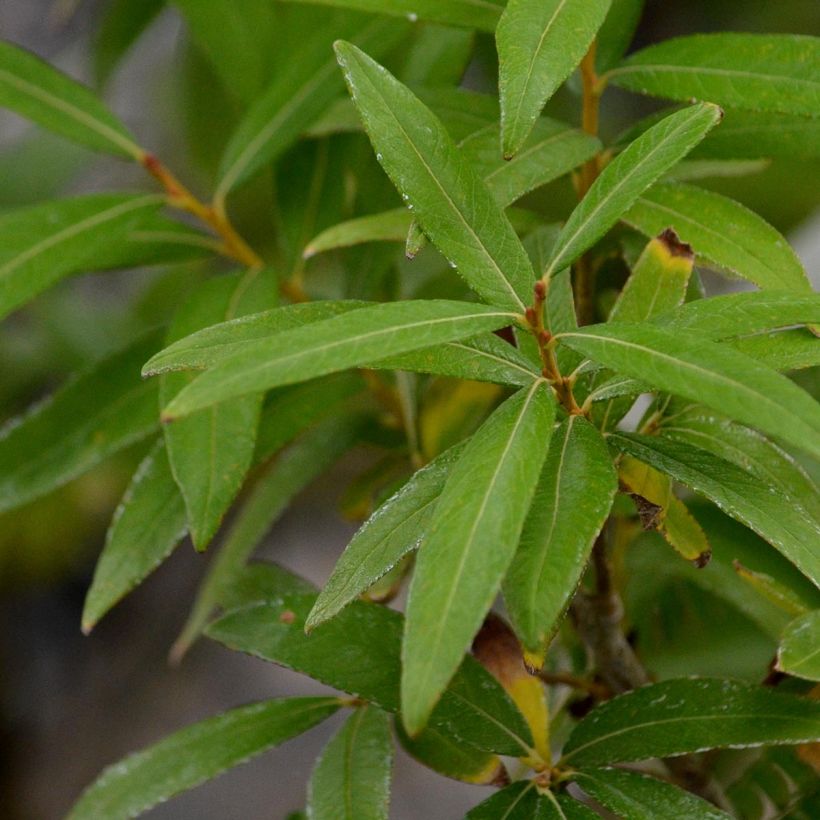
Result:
799,650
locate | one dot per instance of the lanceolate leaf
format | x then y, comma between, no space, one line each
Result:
799,651
689,715
40,93
539,44
42,244
351,340
469,545
386,537
387,226
297,96
617,31
628,176
715,375
146,527
480,14
785,350
640,797
523,801
96,414
358,651
759,72
351,779
722,232
196,754
571,503
787,526
122,24
452,204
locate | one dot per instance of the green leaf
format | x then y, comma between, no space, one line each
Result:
98,413
617,32
42,244
640,797
738,314
39,92
212,344
452,204
784,350
350,340
480,14
351,778
122,24
722,232
788,527
628,176
758,72
210,452
299,94
288,475
799,651
387,226
148,524
571,503
715,375
539,44
394,530
483,358
689,715
469,545
359,651
522,801
198,753
438,57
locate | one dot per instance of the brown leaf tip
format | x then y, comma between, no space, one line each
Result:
703,559
672,242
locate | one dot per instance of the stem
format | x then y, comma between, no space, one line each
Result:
597,690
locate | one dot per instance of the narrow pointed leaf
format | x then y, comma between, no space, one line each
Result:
148,524
787,527
784,350
722,232
640,797
298,95
628,176
539,44
758,72
41,93
351,340
715,375
386,537
799,650
351,778
198,753
617,32
96,414
571,503
123,22
359,651
42,244
689,715
452,204
387,226
480,14
469,545
523,801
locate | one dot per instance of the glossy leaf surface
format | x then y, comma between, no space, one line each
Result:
799,651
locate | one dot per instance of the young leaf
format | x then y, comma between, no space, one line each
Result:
98,413
198,753
42,244
350,340
469,545
571,503
539,44
148,524
359,651
386,537
799,651
759,72
480,14
212,344
351,778
788,527
39,92
690,715
722,232
640,797
628,176
717,376
276,487
451,202
297,96
522,801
